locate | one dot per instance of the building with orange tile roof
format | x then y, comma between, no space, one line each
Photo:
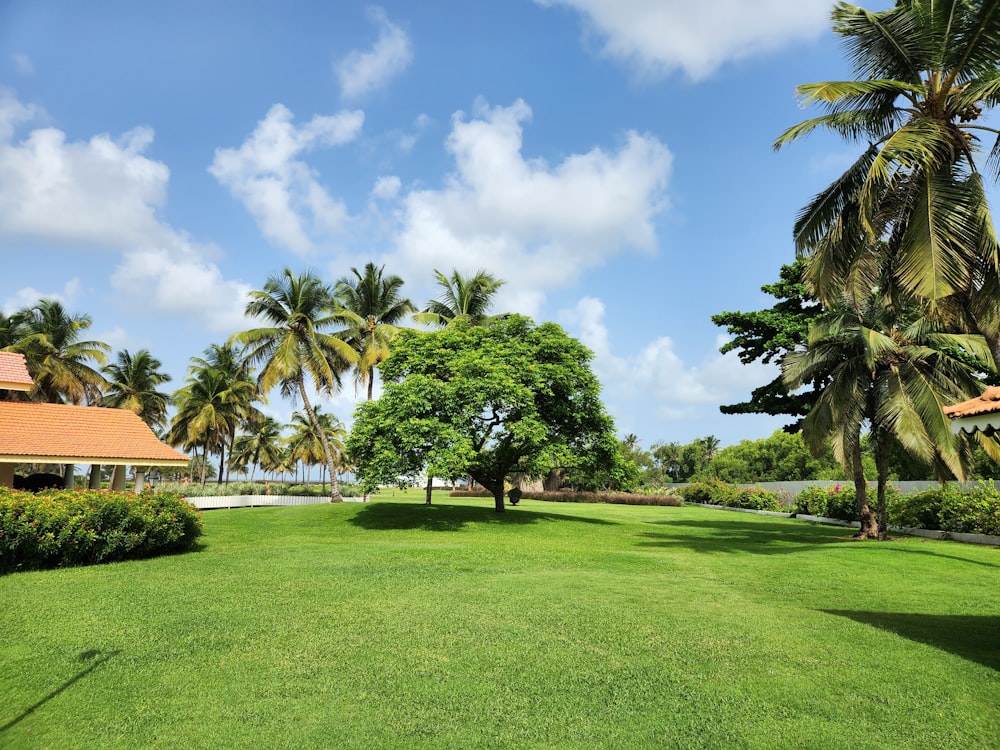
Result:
40,433
14,373
981,413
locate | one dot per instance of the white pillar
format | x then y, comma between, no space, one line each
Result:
6,475
140,479
68,474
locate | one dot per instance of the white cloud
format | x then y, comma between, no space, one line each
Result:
656,378
386,187
525,220
23,64
657,37
102,192
279,189
175,280
28,296
361,72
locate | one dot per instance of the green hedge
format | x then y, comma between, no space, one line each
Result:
714,491
257,487
838,501
973,510
616,498
59,528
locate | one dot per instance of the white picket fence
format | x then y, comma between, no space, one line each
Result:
259,501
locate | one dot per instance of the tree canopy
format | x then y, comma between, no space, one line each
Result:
768,335
483,402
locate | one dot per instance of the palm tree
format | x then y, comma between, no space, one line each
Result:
711,445
462,298
131,384
259,447
242,390
910,215
371,308
58,361
304,443
294,346
893,372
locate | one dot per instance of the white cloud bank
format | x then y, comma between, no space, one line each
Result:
657,37
104,193
525,219
656,379
361,72
276,186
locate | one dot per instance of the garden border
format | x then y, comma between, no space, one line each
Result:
955,536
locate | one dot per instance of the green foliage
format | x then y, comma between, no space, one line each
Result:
974,510
767,335
710,490
59,528
667,499
713,491
483,401
193,489
782,457
838,501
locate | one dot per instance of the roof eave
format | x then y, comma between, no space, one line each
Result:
101,460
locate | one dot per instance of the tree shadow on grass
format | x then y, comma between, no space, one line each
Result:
731,536
96,657
382,516
972,637
777,538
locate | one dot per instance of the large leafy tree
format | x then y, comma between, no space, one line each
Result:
767,336
132,380
462,298
372,307
892,372
294,347
483,401
910,215
64,367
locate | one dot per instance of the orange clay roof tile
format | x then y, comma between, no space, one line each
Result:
987,403
14,373
31,431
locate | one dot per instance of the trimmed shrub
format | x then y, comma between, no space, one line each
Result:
755,498
838,501
257,487
59,528
919,510
711,491
563,496
974,511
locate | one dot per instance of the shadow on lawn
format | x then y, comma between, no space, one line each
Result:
96,658
774,538
763,538
380,516
972,637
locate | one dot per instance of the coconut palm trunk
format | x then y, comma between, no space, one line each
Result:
335,496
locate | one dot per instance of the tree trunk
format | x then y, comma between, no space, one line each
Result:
335,496
869,524
882,448
430,488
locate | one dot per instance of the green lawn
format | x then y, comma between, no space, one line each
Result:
395,625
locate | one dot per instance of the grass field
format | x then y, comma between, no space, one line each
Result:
395,625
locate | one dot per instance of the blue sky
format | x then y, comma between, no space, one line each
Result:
610,160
